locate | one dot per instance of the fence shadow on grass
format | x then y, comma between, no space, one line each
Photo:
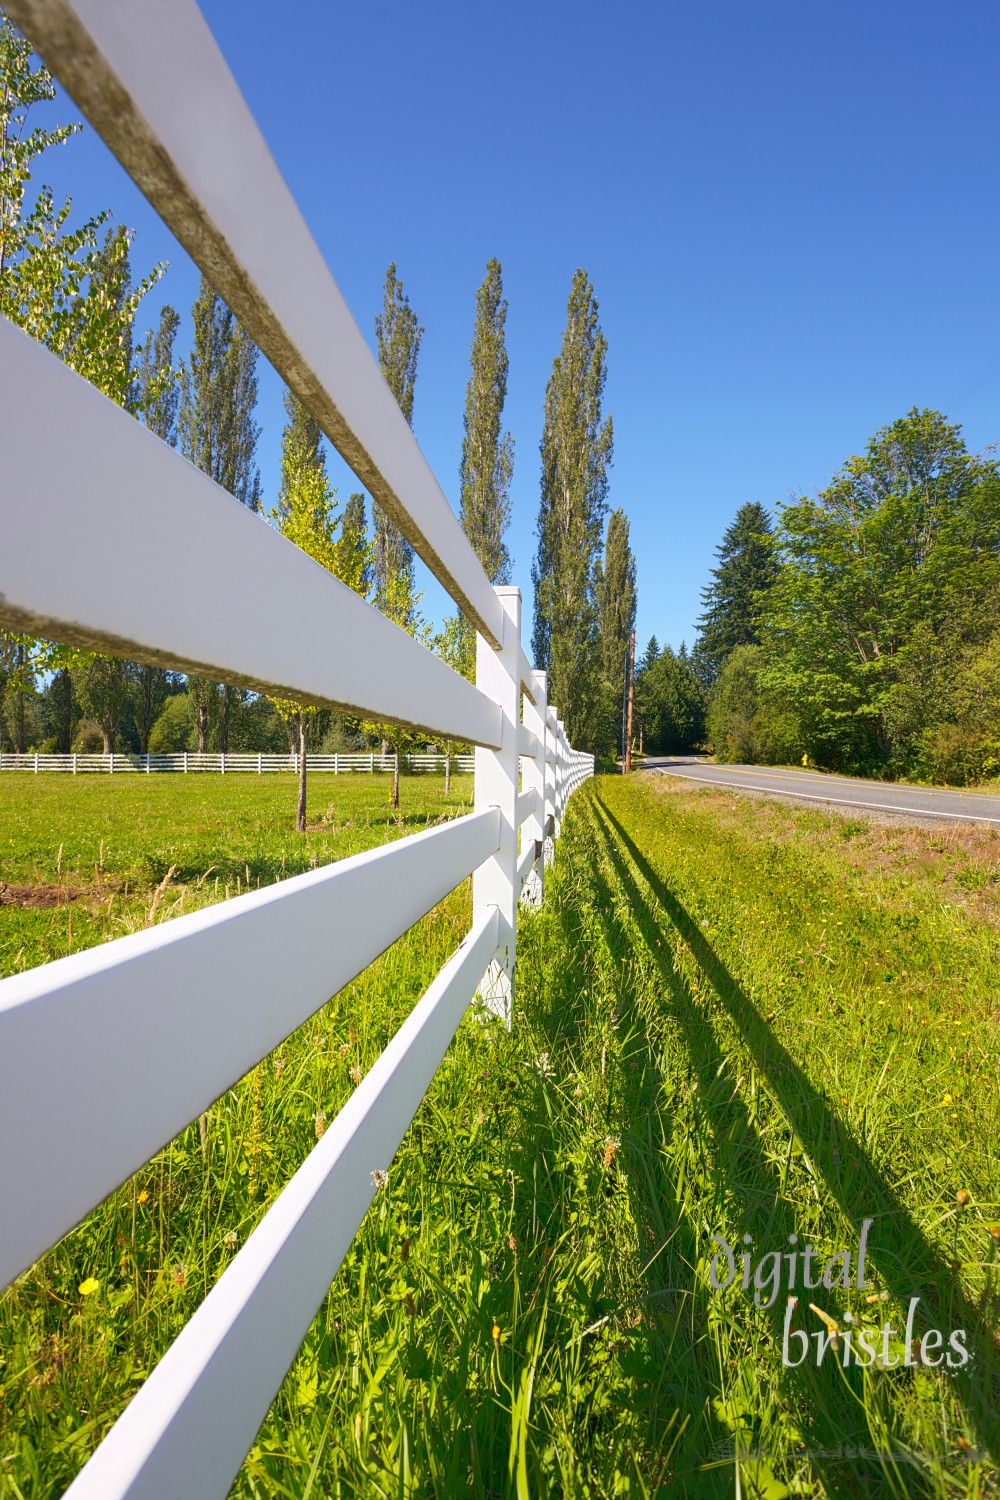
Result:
907,1262
828,1415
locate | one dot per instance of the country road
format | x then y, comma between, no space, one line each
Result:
948,806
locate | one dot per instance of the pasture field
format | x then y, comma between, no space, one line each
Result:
732,1019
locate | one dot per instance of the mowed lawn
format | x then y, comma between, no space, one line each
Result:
733,1020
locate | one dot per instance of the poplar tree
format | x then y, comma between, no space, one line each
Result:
159,396
487,463
218,432
487,450
398,336
615,602
615,597
576,451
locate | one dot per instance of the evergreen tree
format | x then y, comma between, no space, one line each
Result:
398,336
218,433
733,602
576,451
671,704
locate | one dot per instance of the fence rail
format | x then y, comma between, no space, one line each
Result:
210,994
229,763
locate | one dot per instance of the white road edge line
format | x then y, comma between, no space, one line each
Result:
917,812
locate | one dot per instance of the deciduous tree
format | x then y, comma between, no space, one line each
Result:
901,549
218,432
306,514
576,450
398,335
615,602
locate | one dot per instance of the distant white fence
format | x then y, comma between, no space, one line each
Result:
231,762
119,551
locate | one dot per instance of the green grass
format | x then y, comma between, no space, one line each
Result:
731,1018
112,842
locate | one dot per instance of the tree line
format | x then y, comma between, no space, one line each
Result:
73,289
859,629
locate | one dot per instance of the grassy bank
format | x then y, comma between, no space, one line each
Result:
732,1019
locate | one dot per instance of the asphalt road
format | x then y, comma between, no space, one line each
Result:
837,791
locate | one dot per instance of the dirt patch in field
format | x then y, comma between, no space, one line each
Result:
40,897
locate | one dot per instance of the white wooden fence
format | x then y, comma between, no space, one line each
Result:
229,762
99,523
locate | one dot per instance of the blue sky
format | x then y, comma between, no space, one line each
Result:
789,212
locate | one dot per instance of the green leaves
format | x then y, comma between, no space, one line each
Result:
577,445
872,606
487,451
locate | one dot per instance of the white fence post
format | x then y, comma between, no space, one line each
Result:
111,767
74,763
494,883
533,828
560,772
260,763
551,751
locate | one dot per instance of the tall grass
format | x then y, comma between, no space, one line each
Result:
730,1019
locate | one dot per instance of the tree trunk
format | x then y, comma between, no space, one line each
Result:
20,723
227,694
395,782
447,773
631,696
300,815
144,711
202,705
65,719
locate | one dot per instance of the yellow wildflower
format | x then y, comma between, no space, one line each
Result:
88,1287
496,1333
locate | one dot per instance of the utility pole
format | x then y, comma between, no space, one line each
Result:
631,695
624,707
